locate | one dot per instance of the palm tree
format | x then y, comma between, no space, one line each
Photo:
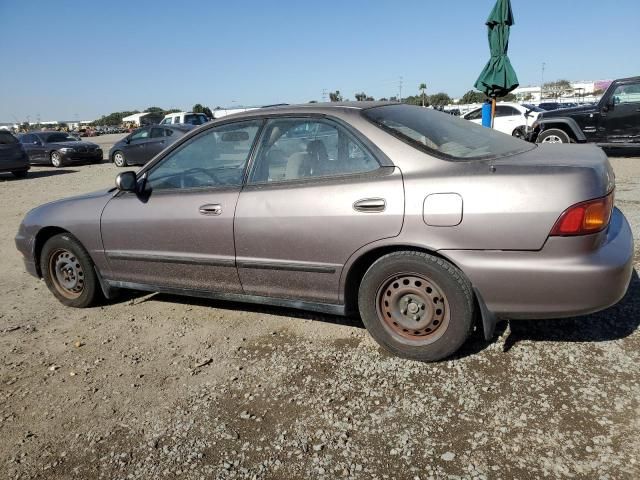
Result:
422,88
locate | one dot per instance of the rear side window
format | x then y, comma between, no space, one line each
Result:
6,138
444,135
195,119
294,149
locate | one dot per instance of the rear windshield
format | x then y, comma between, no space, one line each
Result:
195,119
6,138
444,135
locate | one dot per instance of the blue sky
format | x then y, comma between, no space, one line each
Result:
68,59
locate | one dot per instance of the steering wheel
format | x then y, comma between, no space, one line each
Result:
211,175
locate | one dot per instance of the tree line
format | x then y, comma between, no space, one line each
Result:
439,99
115,118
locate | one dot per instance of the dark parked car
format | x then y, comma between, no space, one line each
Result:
145,143
13,158
59,149
417,219
613,122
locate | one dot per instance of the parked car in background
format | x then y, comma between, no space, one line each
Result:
613,122
143,144
59,149
415,218
188,118
13,158
511,118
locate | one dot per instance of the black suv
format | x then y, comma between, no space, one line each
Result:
612,122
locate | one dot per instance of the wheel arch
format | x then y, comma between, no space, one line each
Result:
359,266
567,125
41,238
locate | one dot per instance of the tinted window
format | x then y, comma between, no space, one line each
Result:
506,111
176,119
60,137
195,119
28,138
157,132
6,138
215,158
444,135
474,115
303,148
168,132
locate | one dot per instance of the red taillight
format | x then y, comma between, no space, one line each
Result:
585,217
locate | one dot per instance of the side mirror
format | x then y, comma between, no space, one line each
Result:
127,182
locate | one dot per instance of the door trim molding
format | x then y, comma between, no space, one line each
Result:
289,266
155,258
328,308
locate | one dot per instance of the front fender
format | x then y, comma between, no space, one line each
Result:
553,122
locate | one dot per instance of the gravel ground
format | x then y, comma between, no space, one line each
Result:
157,386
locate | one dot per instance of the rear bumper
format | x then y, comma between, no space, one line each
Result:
570,276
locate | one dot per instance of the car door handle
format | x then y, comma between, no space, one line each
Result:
370,205
210,209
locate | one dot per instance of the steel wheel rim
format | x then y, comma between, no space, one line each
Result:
66,272
552,139
55,159
413,308
118,158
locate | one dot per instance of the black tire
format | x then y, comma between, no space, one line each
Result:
119,159
442,287
56,159
553,135
63,257
519,132
19,173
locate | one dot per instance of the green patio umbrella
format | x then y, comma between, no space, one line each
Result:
498,77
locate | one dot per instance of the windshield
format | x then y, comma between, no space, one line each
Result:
444,135
61,137
6,138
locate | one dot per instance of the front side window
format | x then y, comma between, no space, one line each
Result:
444,135
216,157
140,135
166,121
6,138
627,94
294,149
176,119
157,132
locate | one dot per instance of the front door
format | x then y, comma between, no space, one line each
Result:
622,120
315,195
34,148
179,232
134,150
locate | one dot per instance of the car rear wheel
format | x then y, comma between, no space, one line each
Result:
520,132
56,159
19,173
416,305
119,159
553,135
68,271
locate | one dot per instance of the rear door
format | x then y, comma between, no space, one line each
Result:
315,195
622,120
507,119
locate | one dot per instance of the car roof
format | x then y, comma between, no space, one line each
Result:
307,108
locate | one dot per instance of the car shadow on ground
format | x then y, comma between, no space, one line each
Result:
36,174
622,152
614,323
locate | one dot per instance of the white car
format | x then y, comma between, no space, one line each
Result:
511,118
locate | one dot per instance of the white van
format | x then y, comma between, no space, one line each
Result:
189,118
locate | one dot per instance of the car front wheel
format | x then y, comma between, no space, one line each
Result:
56,159
416,305
553,135
119,159
68,271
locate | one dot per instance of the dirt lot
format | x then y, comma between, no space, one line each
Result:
156,386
